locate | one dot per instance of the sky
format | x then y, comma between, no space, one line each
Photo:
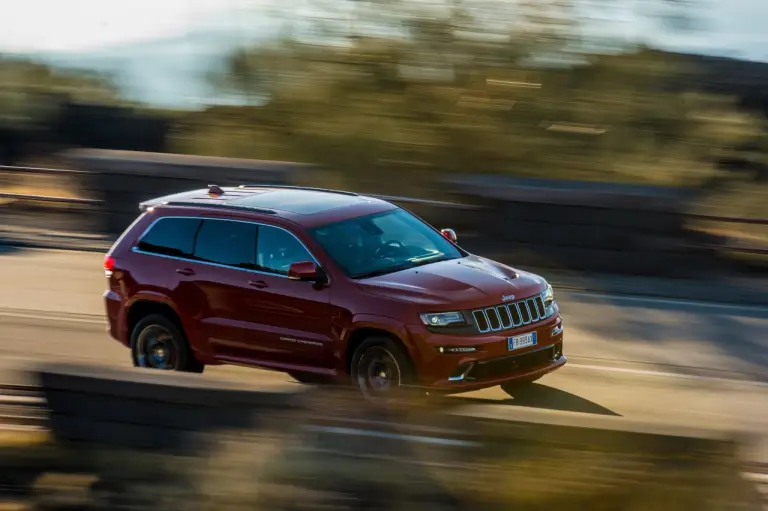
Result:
730,26
76,25
169,68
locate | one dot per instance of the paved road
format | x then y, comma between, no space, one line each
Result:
663,360
619,390
641,333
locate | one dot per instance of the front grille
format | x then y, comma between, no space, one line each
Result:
510,315
501,367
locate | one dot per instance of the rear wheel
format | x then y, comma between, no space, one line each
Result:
381,369
157,343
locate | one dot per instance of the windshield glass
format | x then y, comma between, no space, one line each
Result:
383,243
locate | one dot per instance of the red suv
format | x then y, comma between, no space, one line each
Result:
326,286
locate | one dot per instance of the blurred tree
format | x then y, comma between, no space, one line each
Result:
407,88
31,93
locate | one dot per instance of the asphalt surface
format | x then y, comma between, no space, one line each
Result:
667,361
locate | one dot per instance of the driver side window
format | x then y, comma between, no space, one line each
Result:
277,250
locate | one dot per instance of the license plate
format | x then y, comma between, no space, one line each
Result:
522,341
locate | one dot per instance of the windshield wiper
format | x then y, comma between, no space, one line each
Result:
407,266
382,271
426,258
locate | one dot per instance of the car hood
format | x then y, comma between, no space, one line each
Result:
464,283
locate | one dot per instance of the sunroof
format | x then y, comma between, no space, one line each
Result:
303,202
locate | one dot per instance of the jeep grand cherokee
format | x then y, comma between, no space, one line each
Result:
323,285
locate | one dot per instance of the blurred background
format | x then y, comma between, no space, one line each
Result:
617,147
641,104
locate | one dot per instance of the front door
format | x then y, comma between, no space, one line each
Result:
294,315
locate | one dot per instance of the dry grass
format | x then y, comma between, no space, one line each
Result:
286,471
13,506
46,185
23,438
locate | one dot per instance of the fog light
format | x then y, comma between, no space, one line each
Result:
456,349
558,328
557,351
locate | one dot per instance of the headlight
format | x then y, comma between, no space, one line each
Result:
443,319
548,297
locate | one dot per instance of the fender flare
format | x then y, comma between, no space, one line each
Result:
393,327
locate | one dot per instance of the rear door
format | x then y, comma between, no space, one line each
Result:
227,287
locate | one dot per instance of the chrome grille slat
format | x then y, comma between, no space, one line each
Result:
514,310
494,321
525,312
506,318
510,315
481,320
531,304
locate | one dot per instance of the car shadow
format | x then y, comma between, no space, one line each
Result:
544,397
7,248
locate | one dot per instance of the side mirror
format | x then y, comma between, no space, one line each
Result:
449,234
306,270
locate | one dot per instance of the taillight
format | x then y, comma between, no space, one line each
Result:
109,265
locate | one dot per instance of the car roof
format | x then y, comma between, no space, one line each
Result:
306,206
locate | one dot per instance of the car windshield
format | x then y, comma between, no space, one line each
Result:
383,243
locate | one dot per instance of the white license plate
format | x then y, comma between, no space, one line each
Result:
521,341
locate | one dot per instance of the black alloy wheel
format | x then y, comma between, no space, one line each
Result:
381,369
157,343
156,349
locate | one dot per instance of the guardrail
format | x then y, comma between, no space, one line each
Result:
326,443
53,210
539,224
48,198
25,171
21,406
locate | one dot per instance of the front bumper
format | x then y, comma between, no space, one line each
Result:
492,362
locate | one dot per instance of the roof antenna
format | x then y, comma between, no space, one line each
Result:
215,190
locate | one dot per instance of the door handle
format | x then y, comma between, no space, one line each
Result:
186,271
258,284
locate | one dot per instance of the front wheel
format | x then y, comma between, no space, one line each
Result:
381,369
157,343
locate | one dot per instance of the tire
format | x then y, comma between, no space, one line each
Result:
158,343
381,370
517,387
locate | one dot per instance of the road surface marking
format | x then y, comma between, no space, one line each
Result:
391,436
64,317
95,320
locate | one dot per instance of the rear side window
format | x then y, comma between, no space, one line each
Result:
171,237
227,242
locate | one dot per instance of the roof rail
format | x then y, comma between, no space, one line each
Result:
308,188
219,206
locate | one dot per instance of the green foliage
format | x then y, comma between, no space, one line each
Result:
467,85
31,93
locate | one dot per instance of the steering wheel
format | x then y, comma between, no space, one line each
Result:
387,247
